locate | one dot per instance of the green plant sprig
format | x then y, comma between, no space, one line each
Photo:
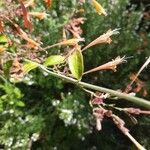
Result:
136,100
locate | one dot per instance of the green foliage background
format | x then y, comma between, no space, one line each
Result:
57,115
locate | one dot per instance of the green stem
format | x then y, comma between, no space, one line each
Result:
3,78
139,101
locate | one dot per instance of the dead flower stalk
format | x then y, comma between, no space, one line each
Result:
104,38
69,42
135,77
112,65
120,124
141,69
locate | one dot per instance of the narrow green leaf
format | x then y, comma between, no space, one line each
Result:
29,66
54,60
76,66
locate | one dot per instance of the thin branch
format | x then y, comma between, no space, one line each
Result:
137,144
141,69
139,101
3,79
120,124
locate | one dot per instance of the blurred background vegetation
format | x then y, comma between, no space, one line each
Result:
50,114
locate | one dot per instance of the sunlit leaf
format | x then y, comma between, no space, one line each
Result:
54,60
3,39
75,61
20,103
29,66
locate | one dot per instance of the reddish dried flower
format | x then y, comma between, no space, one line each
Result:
140,85
120,124
133,110
97,101
128,89
26,18
98,124
22,34
108,113
136,111
99,115
48,3
16,71
74,26
1,25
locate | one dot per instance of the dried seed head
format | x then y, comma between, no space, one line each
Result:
112,65
104,38
73,41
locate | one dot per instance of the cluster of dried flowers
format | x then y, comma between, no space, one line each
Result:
9,25
101,110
